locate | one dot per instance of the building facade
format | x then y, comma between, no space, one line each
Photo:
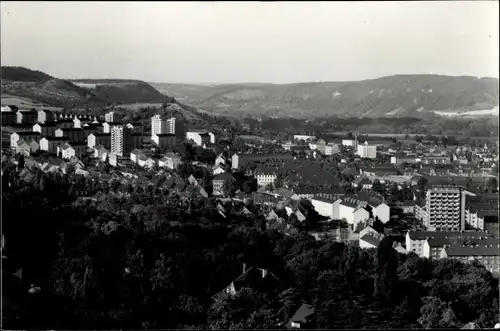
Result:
445,207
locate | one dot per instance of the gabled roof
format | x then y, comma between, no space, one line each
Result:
371,239
301,315
224,176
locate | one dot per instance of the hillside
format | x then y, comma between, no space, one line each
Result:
397,96
36,85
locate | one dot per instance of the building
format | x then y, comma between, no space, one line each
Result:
73,134
137,153
101,153
164,140
199,138
170,161
64,123
27,116
112,117
9,115
487,255
49,144
78,123
22,147
445,207
219,180
221,160
328,149
350,143
351,210
136,128
95,139
415,240
398,160
45,116
121,138
323,205
303,137
146,162
240,161
367,151
266,176
67,150
136,140
26,136
302,319
172,125
46,129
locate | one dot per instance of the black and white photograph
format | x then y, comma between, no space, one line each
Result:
227,165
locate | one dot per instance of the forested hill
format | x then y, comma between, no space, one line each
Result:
36,85
392,96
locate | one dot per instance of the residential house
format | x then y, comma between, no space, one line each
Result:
95,139
64,123
22,147
303,137
221,159
302,319
170,161
219,180
324,205
370,240
146,162
240,161
46,129
253,278
67,150
27,116
73,134
101,153
218,170
34,146
487,255
25,135
137,153
415,240
79,122
266,176
351,210
50,144
200,138
136,127
45,116
164,140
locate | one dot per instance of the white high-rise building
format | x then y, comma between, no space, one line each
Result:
160,125
112,117
121,140
367,151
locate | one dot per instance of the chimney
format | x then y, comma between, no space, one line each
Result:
244,267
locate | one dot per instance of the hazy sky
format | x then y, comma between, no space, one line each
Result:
250,42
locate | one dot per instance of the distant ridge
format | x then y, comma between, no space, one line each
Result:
391,96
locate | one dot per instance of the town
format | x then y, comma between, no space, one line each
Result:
253,165
440,201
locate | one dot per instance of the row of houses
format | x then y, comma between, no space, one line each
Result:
464,246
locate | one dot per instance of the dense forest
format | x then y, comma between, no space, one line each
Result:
130,258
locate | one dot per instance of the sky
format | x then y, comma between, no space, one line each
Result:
228,42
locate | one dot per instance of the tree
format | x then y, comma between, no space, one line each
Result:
378,187
229,187
422,183
20,161
492,183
